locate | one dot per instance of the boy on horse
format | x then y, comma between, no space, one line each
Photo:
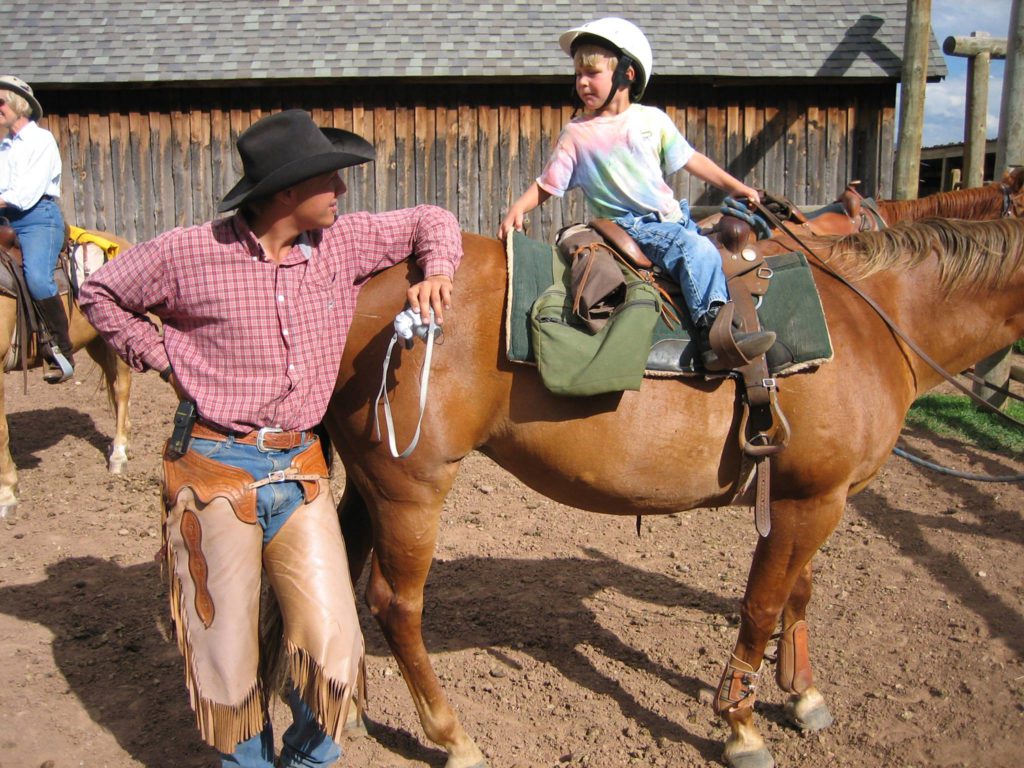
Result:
255,309
619,152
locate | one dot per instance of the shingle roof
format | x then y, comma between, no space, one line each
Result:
73,42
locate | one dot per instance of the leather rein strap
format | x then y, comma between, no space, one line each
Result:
824,266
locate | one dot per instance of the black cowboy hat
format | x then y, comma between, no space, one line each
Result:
280,150
23,89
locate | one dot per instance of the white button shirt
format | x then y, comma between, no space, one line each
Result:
29,167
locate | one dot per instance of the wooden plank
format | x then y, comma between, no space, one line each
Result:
58,126
491,172
834,174
508,146
752,168
424,176
386,182
469,169
717,129
124,181
221,148
796,153
181,167
405,157
199,162
364,176
774,149
140,149
100,170
817,192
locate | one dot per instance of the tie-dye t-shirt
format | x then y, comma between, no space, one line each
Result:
620,162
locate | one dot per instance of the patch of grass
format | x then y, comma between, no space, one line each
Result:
956,416
1018,346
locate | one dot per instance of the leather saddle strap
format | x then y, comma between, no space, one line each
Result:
25,315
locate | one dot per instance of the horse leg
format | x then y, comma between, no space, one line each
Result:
806,706
118,378
8,470
404,537
799,528
356,528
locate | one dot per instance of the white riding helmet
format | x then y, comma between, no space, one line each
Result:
626,37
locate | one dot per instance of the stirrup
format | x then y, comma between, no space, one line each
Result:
59,369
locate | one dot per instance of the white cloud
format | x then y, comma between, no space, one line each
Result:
945,102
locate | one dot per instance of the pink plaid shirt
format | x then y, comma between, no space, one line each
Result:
254,343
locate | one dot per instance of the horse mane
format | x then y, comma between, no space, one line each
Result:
970,253
959,204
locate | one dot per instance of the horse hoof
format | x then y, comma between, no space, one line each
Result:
760,758
355,729
809,712
5,509
480,764
116,462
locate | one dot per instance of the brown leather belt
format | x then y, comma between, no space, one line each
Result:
265,439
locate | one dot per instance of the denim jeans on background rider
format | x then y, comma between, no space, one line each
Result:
682,252
305,745
41,236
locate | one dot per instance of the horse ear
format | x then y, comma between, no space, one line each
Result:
1014,178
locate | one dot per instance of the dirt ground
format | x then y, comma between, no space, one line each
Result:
604,655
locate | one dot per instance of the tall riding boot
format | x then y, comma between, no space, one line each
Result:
750,344
60,363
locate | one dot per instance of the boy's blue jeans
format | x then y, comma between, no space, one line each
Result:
41,235
682,252
305,745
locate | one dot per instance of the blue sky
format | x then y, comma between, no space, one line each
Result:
945,102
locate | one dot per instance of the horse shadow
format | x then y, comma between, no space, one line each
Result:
467,606
113,645
34,432
908,531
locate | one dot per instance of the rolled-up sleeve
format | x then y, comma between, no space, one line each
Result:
117,297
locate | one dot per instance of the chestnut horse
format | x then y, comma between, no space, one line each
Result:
116,374
671,446
849,214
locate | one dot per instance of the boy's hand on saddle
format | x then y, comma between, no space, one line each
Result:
435,292
513,220
752,196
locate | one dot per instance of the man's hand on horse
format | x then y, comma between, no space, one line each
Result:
435,292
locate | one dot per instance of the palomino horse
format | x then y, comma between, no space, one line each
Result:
116,374
668,447
849,214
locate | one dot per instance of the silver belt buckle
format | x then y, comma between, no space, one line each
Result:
263,432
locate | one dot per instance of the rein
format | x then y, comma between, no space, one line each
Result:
824,266
407,325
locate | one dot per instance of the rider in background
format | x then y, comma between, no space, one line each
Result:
30,171
619,153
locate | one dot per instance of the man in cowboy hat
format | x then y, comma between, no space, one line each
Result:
30,171
255,310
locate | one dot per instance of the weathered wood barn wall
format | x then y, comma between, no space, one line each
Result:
140,161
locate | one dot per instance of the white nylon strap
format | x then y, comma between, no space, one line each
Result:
383,394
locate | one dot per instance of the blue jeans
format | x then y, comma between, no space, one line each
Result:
683,253
305,745
41,234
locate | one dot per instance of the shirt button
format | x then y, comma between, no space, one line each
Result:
280,297
291,367
285,331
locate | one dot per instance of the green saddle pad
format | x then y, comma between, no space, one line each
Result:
790,307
